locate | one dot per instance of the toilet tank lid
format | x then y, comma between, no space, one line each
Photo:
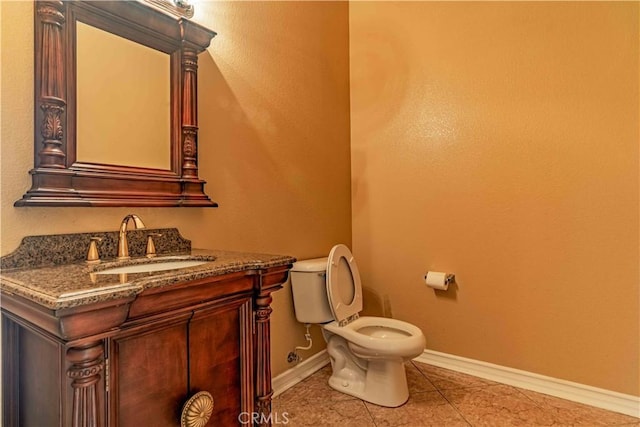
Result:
316,264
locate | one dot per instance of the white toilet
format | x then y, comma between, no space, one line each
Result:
367,353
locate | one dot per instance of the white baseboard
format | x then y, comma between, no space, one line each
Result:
302,370
600,398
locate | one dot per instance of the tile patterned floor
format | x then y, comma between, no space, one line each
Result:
439,397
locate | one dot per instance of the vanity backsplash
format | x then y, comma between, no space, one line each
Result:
60,249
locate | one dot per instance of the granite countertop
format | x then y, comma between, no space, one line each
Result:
51,270
64,286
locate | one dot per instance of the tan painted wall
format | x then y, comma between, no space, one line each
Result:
274,140
499,141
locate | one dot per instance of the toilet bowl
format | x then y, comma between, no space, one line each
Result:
367,353
378,337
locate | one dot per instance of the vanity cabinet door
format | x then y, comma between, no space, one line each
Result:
221,359
149,376
157,367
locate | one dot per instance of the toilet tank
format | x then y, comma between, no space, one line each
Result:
309,289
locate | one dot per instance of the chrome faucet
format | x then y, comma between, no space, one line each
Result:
123,246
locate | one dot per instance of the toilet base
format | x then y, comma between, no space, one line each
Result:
379,381
384,384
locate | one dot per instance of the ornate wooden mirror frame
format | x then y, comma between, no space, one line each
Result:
58,179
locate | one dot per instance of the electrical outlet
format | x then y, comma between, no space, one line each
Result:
292,357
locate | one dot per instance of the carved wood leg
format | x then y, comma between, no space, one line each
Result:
10,371
263,362
86,364
247,359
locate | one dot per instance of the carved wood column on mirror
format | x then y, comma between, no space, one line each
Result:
51,96
189,113
193,41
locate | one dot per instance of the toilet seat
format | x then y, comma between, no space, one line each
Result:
380,336
344,288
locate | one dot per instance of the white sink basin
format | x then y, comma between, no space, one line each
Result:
157,266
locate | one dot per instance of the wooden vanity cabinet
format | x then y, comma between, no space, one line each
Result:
144,357
156,368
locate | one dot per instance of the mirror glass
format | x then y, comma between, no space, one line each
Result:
123,101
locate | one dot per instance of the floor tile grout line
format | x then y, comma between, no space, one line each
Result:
540,405
373,419
455,408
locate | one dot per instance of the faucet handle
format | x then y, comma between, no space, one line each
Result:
92,255
151,247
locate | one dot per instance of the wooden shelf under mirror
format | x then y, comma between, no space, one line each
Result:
63,175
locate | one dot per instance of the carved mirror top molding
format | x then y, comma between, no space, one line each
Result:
181,8
59,177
